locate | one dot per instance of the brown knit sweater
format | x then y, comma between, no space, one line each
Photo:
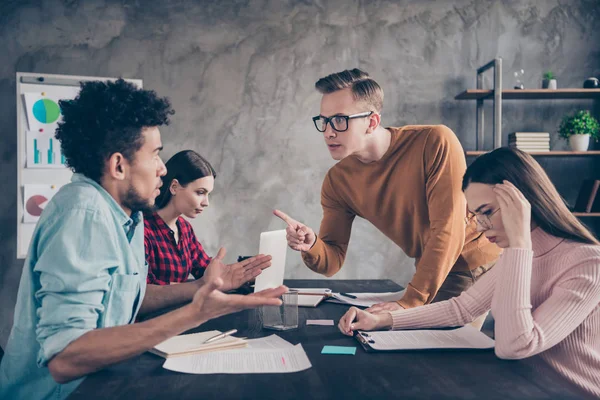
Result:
413,195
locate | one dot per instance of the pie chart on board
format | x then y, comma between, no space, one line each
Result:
46,111
36,204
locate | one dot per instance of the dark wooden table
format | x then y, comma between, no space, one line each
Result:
419,374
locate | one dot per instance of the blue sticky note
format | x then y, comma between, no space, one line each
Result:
339,350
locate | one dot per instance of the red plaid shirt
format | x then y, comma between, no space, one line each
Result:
169,261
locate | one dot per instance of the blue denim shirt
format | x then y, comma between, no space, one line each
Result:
85,269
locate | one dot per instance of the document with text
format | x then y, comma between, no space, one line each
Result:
265,355
465,337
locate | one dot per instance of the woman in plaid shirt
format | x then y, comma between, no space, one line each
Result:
172,249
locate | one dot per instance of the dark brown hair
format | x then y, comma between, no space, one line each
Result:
548,209
185,166
363,87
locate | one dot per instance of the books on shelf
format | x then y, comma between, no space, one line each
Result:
530,135
530,141
529,149
588,199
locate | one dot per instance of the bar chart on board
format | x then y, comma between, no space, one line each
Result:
43,151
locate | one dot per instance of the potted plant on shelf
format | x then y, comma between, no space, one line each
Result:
549,81
578,128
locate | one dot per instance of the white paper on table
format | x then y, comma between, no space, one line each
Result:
367,299
267,343
465,337
272,243
323,322
311,300
247,361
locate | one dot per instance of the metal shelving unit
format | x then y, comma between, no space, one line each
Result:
497,94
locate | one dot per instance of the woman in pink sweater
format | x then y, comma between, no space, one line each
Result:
544,291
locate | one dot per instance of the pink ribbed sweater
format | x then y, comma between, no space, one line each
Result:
545,301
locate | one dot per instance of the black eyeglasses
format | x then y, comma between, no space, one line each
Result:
339,123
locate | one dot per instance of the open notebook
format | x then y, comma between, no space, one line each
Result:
465,337
312,297
193,343
365,299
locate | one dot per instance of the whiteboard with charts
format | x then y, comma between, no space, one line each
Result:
41,169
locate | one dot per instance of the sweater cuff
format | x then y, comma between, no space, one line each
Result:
429,316
412,298
312,257
314,251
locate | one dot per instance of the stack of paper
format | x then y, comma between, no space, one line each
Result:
530,141
184,345
465,337
271,354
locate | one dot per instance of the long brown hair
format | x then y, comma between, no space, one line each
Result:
185,166
548,209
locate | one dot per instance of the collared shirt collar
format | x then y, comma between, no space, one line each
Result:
128,223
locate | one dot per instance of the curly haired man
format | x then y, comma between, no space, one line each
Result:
84,279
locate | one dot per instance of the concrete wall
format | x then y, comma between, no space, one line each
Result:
241,74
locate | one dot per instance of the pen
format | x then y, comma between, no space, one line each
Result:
348,295
220,336
314,294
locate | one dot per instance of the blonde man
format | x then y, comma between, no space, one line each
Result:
406,181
